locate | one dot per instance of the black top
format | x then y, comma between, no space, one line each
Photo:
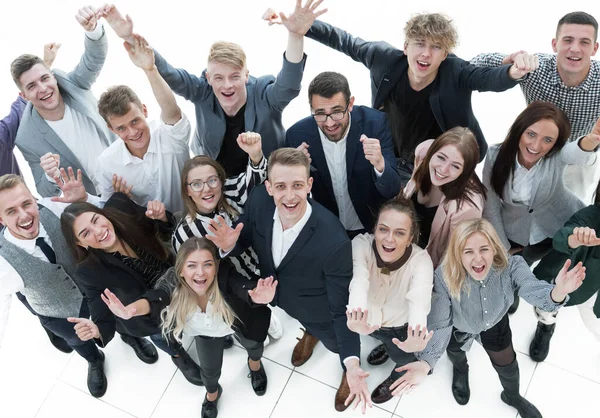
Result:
425,217
411,118
233,159
149,267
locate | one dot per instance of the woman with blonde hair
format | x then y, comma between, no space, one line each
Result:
473,289
206,298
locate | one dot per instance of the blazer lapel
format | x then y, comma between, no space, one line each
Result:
352,143
269,238
303,237
536,185
315,148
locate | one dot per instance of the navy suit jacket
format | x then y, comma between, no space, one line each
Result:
366,191
315,274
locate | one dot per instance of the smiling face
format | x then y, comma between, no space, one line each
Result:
19,212
39,86
207,199
334,130
199,271
229,85
536,142
446,165
424,59
477,256
574,47
133,129
93,230
289,185
393,235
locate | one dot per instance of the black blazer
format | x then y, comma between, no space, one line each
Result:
252,320
450,97
104,271
315,274
366,191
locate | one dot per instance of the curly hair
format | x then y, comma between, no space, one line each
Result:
434,26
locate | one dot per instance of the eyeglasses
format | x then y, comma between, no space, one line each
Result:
198,185
335,116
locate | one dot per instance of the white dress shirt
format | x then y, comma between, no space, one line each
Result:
522,184
207,324
156,176
283,240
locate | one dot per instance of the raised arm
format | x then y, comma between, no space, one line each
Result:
380,153
96,47
581,230
359,285
9,126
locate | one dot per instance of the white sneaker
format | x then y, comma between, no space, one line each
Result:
275,327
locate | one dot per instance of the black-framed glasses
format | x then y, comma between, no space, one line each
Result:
335,116
198,185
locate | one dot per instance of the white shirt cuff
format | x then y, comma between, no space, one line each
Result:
347,359
50,179
378,173
97,33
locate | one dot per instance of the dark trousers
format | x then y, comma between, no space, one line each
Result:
170,346
401,358
66,330
210,355
535,252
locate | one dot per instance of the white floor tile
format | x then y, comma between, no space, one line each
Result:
558,393
184,400
68,402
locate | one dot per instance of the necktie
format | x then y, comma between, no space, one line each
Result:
46,249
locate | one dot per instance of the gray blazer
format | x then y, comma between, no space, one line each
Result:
552,204
36,138
267,97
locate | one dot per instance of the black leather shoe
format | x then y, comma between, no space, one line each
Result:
143,348
96,379
378,356
382,393
188,367
540,345
209,409
59,343
460,387
526,409
258,379
228,342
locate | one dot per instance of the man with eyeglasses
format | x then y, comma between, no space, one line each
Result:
351,151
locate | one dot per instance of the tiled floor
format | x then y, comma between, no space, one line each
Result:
38,381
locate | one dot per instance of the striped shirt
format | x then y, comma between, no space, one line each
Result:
149,267
236,191
482,305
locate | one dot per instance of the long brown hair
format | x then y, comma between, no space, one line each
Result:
184,301
507,154
136,231
467,184
189,205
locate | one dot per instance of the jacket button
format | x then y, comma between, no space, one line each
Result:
530,210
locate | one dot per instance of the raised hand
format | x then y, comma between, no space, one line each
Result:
222,235
50,163
119,185
524,63
71,186
567,281
157,210
85,329
582,235
357,322
359,391
140,53
264,292
88,17
50,51
416,339
251,144
123,26
510,58
116,306
416,372
591,141
372,150
300,21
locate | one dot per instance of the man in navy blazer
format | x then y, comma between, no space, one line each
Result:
305,248
351,151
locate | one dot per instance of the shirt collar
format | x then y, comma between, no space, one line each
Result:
26,244
128,158
300,224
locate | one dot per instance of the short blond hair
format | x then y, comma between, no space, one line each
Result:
288,157
227,53
452,268
434,26
10,181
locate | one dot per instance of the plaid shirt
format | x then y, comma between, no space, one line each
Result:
581,103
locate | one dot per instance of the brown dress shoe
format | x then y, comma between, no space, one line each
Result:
382,393
304,349
342,394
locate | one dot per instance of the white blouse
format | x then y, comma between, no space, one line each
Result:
207,324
